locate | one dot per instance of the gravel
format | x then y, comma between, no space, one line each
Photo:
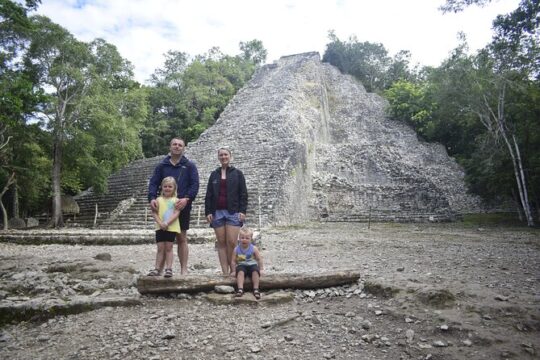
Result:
428,291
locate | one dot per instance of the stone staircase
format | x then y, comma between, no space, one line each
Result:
313,145
126,193
125,206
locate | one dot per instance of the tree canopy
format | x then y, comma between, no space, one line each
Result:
71,112
189,93
368,62
484,108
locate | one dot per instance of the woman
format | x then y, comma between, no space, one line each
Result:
225,207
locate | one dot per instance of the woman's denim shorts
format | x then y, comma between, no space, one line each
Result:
224,217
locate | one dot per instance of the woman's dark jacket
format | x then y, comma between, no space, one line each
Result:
237,196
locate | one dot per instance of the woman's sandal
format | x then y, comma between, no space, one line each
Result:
239,292
154,272
257,294
168,273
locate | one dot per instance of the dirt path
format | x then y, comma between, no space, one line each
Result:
439,291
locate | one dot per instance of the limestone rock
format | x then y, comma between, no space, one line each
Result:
224,289
32,222
16,223
103,257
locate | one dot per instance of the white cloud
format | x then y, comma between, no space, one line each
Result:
144,30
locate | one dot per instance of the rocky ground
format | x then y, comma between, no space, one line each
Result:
427,291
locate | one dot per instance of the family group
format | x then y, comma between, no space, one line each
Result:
172,189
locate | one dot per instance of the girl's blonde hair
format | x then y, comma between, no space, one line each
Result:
169,180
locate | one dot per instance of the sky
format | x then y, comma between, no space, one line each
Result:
144,30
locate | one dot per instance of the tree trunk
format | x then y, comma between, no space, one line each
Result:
10,181
15,200
500,129
57,220
4,215
515,155
198,283
58,147
527,205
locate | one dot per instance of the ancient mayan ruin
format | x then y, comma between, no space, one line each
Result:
314,145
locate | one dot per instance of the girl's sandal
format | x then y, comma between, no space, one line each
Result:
239,293
168,273
154,272
257,294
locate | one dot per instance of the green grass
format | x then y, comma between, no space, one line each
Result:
493,219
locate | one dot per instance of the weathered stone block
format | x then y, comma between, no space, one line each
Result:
16,223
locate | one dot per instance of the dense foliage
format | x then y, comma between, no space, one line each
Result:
368,62
187,96
71,112
21,144
484,107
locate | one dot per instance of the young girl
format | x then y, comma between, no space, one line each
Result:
247,262
167,226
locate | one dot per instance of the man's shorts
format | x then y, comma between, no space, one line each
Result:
248,269
165,236
184,217
224,217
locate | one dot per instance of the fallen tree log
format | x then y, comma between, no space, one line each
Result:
204,283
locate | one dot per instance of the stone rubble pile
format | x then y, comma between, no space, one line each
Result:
64,288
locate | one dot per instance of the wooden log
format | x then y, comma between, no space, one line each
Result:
205,283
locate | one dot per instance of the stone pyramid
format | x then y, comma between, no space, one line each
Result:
314,145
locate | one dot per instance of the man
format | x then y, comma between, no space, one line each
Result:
187,180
